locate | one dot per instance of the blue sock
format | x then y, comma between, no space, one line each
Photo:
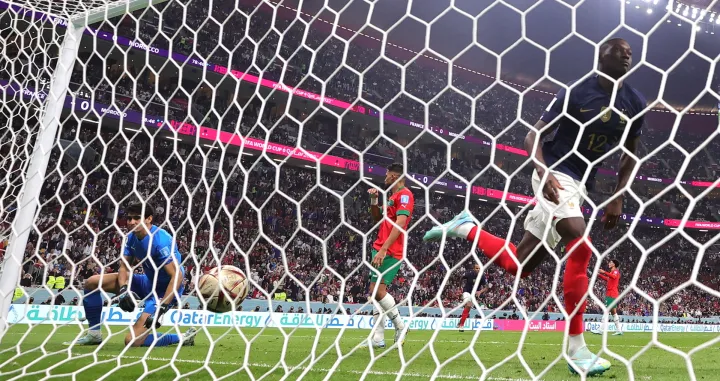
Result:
162,341
93,304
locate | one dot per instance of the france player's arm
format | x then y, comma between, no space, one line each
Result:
627,162
485,284
545,126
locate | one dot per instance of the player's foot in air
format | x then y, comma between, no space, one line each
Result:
589,362
596,332
188,338
451,227
618,333
89,338
376,344
460,328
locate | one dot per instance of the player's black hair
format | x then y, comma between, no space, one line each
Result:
611,41
136,208
615,262
397,168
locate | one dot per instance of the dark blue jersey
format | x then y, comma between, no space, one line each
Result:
586,100
470,277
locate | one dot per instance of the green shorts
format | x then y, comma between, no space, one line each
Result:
388,269
610,302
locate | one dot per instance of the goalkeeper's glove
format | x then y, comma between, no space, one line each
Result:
125,299
157,318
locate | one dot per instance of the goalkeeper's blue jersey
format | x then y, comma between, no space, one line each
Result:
154,252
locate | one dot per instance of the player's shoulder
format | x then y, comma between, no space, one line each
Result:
404,194
635,96
161,236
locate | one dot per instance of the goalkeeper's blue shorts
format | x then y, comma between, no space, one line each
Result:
143,287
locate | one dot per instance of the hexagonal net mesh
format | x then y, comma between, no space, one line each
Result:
65,8
323,149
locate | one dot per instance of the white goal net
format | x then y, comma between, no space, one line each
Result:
255,130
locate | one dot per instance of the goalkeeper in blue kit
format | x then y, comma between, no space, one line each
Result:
160,285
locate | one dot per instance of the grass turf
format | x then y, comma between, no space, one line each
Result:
37,353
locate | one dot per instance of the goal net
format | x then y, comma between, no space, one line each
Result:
255,129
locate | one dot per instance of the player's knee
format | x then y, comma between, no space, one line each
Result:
571,229
380,294
92,283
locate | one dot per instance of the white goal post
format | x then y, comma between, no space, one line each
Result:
79,14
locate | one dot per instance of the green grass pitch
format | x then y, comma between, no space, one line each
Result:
38,353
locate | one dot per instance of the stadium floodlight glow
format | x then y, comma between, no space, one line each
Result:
686,12
717,20
649,11
637,7
697,28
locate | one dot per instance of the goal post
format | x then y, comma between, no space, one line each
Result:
80,14
35,176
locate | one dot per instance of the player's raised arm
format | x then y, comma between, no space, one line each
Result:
375,211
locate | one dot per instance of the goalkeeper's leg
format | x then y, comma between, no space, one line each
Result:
140,336
93,304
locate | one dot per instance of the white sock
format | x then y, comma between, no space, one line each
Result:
379,333
464,229
574,343
617,323
388,305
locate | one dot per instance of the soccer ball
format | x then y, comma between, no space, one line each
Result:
223,288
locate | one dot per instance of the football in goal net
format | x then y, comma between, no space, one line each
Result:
324,190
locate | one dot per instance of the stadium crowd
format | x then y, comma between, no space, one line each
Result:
222,235
237,209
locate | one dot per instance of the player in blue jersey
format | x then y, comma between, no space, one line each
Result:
561,190
160,286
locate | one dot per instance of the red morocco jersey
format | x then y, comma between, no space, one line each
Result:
401,202
613,283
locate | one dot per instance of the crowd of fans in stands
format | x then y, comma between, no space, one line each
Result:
225,208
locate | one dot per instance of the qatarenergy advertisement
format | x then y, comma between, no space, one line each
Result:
69,315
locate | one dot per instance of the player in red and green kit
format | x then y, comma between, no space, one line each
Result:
612,278
388,251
